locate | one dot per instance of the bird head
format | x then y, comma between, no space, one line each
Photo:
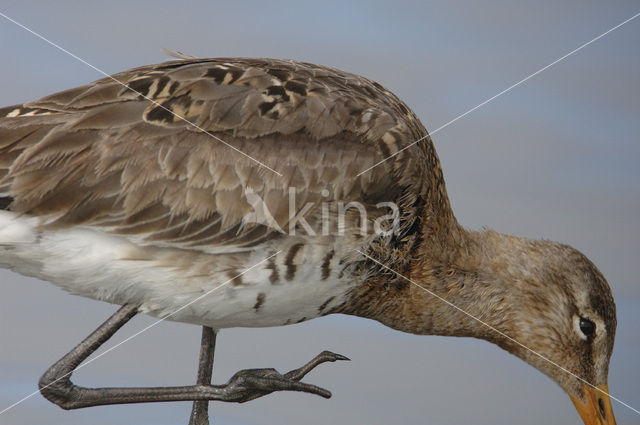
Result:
542,301
562,319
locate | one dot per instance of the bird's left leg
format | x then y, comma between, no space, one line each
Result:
56,385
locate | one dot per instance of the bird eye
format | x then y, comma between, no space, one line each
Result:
587,327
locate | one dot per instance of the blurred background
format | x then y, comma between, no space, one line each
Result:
555,158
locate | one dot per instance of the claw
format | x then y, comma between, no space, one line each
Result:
250,384
332,357
325,356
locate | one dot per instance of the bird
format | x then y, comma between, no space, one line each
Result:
256,192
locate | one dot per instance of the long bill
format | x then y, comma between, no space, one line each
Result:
596,408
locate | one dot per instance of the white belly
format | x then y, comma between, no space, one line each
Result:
218,290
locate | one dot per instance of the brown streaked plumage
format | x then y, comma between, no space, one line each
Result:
143,163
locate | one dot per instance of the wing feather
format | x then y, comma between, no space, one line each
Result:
121,157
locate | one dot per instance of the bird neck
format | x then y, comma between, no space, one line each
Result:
457,287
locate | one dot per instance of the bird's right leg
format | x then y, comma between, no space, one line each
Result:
56,385
200,409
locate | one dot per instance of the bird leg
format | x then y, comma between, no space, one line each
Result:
56,385
200,409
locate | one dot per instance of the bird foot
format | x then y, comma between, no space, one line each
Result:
250,384
56,385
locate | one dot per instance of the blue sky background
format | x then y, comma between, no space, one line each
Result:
555,158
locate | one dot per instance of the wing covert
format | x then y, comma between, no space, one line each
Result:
127,161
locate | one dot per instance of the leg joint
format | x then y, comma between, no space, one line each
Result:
58,390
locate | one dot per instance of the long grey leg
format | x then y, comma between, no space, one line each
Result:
56,385
200,409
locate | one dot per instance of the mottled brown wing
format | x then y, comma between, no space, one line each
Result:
146,152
